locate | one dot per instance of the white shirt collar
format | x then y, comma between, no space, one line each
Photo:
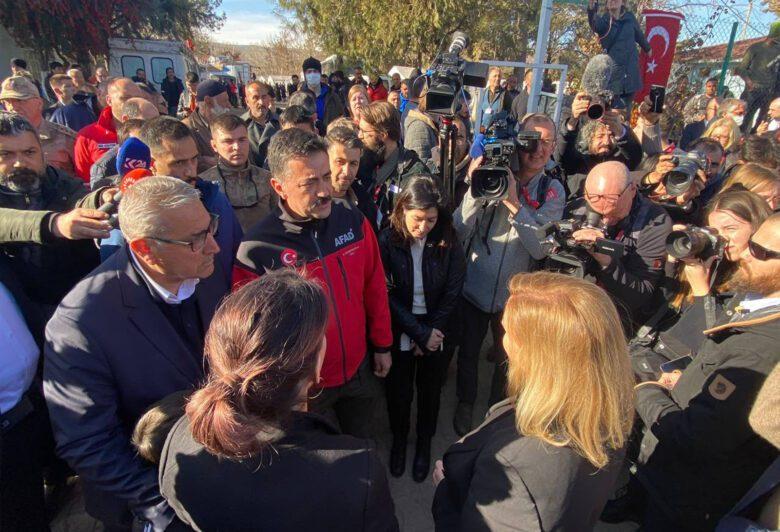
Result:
754,302
186,289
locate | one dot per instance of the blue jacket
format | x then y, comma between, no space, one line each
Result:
74,115
228,236
110,354
619,38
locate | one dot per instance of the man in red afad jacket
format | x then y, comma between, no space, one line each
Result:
336,246
96,139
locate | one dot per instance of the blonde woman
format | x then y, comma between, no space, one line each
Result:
757,179
357,99
546,458
725,131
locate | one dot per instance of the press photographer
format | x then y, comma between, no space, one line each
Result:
595,132
632,220
676,183
496,229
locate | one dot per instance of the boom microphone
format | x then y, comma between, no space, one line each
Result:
595,82
130,178
132,154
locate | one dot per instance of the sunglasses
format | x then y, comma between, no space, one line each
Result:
761,253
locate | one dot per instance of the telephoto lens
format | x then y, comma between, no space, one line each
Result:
694,242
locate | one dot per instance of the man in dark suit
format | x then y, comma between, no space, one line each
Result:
128,335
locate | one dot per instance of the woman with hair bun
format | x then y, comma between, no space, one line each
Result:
248,455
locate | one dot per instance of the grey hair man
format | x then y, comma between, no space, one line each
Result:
128,335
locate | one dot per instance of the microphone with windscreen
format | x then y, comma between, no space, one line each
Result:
132,155
595,82
130,178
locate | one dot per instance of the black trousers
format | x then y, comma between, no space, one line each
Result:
757,100
21,475
353,404
474,326
426,373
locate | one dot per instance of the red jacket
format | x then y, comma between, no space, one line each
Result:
378,93
93,141
341,252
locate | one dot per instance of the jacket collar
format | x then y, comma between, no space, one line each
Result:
292,224
144,313
106,119
753,319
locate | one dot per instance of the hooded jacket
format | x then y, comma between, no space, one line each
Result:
342,254
699,452
92,142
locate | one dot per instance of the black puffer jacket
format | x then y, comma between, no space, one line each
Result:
443,269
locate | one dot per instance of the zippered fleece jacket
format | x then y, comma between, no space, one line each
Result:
342,254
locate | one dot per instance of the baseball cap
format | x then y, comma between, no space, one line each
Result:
210,88
18,88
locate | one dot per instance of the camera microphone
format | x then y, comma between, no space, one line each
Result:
595,82
129,179
132,155
460,41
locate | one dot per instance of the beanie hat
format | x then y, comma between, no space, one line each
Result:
312,63
210,88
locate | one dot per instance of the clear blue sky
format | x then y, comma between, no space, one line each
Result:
248,21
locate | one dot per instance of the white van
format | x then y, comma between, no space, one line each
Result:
128,55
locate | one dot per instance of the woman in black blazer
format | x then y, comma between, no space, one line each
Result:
546,458
247,455
425,267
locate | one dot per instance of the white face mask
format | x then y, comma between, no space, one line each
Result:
738,119
313,79
218,110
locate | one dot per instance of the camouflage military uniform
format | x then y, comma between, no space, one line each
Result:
248,190
57,143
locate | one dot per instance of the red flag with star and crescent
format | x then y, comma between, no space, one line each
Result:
661,30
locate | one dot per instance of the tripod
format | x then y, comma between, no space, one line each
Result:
448,134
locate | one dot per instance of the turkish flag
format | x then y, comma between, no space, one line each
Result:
661,29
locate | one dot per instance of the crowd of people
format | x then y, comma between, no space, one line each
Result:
204,312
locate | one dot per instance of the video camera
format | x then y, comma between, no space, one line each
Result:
567,256
491,180
449,73
695,242
678,181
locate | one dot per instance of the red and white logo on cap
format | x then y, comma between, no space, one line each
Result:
289,257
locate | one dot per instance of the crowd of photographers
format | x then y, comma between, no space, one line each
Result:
601,257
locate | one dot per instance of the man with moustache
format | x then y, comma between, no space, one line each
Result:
47,218
261,121
336,245
699,454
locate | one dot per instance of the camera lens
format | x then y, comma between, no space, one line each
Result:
686,244
595,110
490,183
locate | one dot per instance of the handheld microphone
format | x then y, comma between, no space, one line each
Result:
595,82
130,178
132,154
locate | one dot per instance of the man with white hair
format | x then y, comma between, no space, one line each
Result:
125,337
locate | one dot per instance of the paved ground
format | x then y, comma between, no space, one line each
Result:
412,500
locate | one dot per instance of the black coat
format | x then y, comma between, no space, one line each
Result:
497,479
314,478
111,353
443,270
260,137
628,150
700,455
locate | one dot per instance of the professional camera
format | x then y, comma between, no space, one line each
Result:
491,180
678,181
695,242
449,73
599,104
566,255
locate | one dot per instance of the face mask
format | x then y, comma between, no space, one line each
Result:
313,78
738,119
218,110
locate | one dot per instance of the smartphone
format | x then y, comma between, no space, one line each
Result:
676,364
657,93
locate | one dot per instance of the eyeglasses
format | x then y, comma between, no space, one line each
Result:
762,253
199,241
610,198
